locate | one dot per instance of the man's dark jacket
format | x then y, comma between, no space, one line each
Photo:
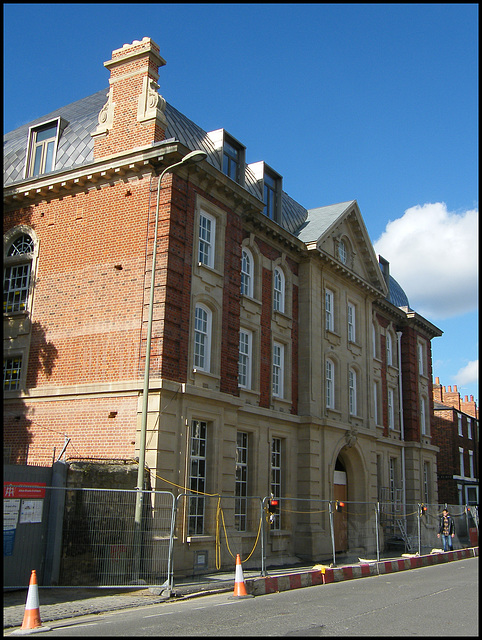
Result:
451,525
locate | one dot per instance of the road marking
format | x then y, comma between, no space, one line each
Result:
156,615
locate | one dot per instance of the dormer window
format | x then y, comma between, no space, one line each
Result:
269,196
231,161
270,183
232,154
42,148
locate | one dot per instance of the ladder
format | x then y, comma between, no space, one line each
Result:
406,538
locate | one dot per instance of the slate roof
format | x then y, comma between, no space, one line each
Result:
76,147
319,220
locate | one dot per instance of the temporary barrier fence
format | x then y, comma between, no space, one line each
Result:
101,544
95,539
212,529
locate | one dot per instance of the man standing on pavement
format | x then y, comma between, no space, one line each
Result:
446,530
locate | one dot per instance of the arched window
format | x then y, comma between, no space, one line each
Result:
247,266
202,338
17,274
279,290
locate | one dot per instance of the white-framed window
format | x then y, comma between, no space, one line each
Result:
391,409
247,266
279,290
276,477
202,337
241,488
423,416
471,464
375,402
245,358
278,370
17,272
426,482
42,148
352,395
329,310
389,343
207,238
392,478
459,425
342,251
197,476
461,462
469,428
12,373
330,384
351,311
374,341
421,359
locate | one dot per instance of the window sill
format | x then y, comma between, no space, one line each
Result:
200,538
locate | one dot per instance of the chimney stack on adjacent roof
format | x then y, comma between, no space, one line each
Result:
133,115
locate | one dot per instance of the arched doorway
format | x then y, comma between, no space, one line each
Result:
340,493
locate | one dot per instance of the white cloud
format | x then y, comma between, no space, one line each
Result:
433,255
468,374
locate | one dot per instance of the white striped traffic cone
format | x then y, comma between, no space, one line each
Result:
31,619
239,586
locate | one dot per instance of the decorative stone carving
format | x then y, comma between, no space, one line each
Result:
106,116
351,438
150,104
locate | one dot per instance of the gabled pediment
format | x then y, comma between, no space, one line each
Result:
338,232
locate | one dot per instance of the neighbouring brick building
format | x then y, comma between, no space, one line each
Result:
285,357
456,433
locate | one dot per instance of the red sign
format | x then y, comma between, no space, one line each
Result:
24,489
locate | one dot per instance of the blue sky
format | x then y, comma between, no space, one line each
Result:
373,102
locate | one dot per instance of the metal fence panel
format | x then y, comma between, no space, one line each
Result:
216,528
102,544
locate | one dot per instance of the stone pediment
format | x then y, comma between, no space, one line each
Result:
339,234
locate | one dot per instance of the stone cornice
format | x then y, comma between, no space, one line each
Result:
347,273
119,166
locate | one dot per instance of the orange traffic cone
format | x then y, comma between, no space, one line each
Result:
31,619
239,586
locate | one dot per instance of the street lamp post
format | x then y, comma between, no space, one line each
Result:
190,158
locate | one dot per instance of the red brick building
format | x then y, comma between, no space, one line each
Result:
285,357
456,433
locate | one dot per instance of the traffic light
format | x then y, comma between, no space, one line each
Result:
423,510
273,505
339,506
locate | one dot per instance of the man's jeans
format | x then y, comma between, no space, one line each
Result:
447,542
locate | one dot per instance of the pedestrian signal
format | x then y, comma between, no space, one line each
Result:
339,505
423,510
273,505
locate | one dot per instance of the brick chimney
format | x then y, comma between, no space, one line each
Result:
133,115
437,391
453,399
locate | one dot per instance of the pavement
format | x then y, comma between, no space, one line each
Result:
59,603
